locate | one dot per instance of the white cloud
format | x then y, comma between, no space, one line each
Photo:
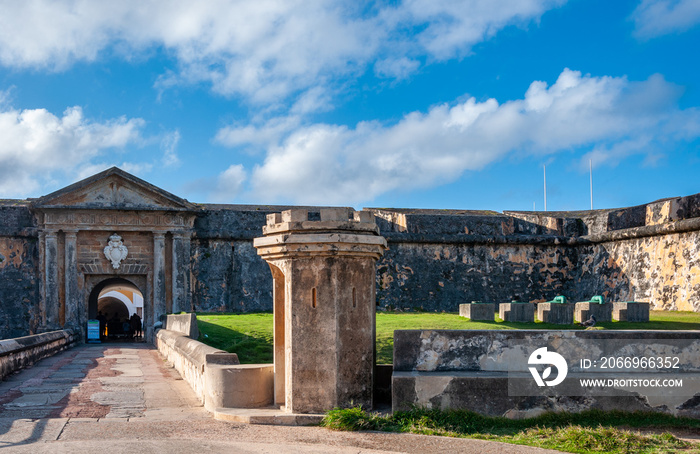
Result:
265,50
168,145
36,143
269,132
229,184
654,18
450,27
5,96
398,68
330,164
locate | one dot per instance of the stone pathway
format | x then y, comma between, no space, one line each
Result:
123,398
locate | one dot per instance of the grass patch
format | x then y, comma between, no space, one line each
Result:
250,335
592,431
247,335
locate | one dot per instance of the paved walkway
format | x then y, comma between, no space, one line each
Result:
123,398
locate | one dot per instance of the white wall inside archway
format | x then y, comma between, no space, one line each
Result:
127,294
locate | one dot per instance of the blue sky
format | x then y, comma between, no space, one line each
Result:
422,103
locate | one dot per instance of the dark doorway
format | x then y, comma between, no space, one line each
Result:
118,304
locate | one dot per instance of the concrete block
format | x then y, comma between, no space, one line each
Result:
584,310
477,311
517,312
630,311
557,313
242,386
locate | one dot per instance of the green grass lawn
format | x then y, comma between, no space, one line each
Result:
250,335
591,431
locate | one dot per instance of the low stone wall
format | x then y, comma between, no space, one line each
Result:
183,323
493,372
18,353
216,377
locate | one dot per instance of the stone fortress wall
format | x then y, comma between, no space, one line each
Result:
436,260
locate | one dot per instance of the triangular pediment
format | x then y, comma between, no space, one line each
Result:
113,189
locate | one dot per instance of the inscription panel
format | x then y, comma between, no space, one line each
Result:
121,219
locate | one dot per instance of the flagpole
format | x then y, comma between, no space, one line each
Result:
545,187
590,168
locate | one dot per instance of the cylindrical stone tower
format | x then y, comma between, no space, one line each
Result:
324,306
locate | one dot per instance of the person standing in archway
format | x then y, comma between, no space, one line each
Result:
136,325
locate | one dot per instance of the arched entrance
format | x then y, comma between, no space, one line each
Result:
119,305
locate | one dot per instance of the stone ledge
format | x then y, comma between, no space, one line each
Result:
267,416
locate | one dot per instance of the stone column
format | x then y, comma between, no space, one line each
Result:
278,297
328,267
159,306
51,280
42,272
181,272
71,279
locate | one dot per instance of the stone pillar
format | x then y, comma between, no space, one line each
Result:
159,306
71,279
51,280
181,272
328,267
278,297
41,323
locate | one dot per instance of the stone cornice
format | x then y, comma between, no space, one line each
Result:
339,232
319,244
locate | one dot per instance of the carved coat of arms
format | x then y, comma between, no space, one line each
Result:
115,251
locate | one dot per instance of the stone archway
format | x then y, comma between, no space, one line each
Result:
102,300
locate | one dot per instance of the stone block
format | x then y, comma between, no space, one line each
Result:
477,311
183,323
517,312
630,311
274,218
295,215
363,216
240,386
488,371
584,310
335,214
557,313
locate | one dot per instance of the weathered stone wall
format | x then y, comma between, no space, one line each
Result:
471,369
663,270
441,276
19,272
436,260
